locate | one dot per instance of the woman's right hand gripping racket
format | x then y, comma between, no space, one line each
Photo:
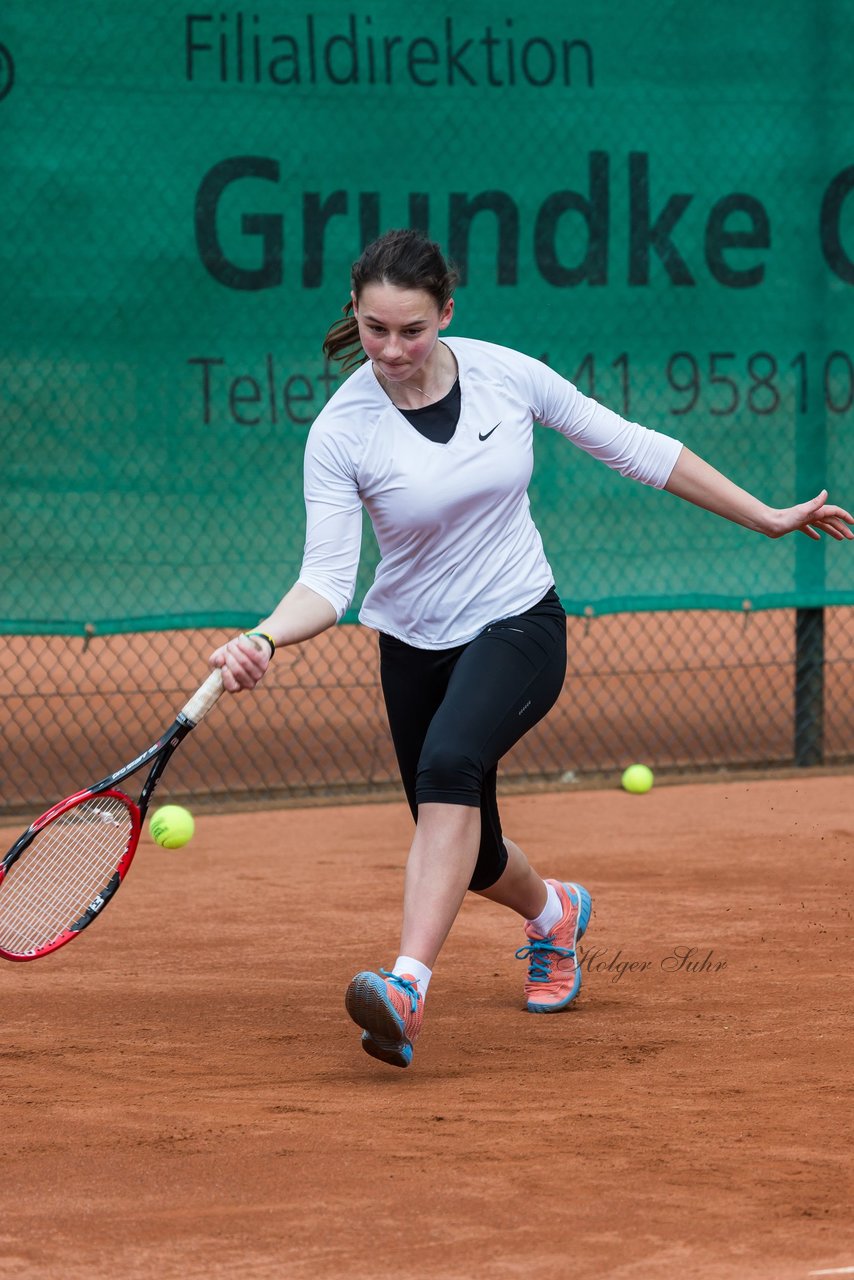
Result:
58,877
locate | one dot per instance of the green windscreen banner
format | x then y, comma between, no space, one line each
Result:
655,199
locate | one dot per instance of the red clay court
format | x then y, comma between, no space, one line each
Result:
185,1095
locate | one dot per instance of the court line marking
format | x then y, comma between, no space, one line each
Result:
834,1271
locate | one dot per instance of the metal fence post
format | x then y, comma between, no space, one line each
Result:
809,687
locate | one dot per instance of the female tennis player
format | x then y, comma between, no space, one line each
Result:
434,437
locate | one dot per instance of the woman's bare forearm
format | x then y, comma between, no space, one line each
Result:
298,616
698,482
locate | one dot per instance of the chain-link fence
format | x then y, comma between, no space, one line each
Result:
656,198
684,691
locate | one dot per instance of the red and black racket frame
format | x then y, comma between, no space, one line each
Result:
160,752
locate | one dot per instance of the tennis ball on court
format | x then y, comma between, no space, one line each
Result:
637,779
171,826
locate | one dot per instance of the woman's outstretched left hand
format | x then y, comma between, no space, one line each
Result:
814,518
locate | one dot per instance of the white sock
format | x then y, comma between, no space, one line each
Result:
415,969
550,914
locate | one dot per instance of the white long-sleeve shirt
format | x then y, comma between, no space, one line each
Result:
459,548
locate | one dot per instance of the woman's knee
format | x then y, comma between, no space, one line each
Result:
448,773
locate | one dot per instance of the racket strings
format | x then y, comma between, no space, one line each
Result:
67,866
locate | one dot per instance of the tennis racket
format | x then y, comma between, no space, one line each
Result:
58,877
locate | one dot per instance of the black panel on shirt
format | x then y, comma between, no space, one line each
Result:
438,421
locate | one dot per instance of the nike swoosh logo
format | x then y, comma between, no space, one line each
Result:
481,436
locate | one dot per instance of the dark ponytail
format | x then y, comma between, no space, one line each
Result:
342,341
403,258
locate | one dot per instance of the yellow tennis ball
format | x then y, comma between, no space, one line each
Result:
171,826
638,779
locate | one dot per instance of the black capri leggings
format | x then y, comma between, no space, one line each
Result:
453,713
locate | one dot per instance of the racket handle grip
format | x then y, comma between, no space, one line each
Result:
204,698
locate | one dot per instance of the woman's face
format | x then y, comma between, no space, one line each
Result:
399,328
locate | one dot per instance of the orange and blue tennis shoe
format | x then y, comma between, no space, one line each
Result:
390,1009
554,974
